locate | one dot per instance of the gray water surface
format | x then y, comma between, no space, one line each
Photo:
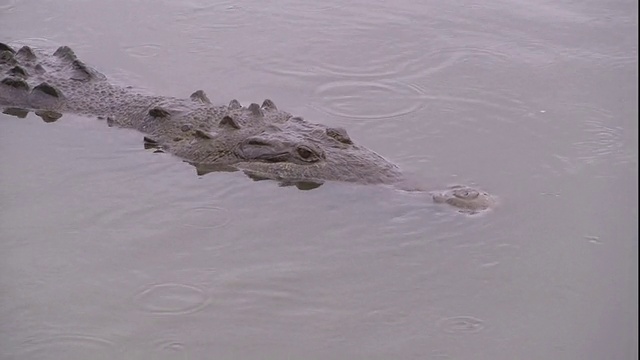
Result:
108,251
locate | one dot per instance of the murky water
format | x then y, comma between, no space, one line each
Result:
111,252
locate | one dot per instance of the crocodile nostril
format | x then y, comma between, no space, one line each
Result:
466,193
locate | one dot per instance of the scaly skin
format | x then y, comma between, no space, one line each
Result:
264,142
193,128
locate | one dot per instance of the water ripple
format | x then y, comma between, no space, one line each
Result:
601,138
200,217
65,345
411,62
8,6
182,212
603,143
169,346
226,15
461,325
357,99
373,60
491,55
144,50
172,299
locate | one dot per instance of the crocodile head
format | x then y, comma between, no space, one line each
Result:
272,149
300,151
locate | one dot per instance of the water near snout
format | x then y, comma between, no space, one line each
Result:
109,251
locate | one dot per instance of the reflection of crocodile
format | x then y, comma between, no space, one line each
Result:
264,142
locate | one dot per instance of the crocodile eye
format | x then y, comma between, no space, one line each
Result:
257,142
304,153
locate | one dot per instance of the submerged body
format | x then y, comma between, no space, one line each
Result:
261,140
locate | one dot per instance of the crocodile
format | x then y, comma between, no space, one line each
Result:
261,140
